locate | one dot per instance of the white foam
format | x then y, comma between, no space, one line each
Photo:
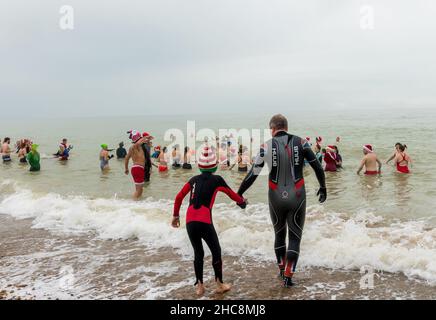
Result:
331,239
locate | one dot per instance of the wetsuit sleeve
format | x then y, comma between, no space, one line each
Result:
314,163
254,172
179,198
223,187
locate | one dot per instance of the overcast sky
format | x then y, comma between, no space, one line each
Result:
175,56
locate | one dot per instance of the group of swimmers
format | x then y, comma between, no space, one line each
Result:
27,152
285,155
332,159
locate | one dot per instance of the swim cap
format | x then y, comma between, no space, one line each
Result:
103,146
207,161
368,148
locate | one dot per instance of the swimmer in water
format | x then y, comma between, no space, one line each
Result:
34,158
187,159
402,160
284,155
394,155
370,161
243,159
175,154
64,150
163,160
121,151
203,189
22,153
104,157
138,158
330,159
6,150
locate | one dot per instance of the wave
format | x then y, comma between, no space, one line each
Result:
331,239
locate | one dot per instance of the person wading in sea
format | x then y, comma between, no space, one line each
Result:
285,154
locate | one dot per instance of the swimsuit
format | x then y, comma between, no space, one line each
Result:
284,155
402,169
6,158
103,163
138,174
23,160
203,189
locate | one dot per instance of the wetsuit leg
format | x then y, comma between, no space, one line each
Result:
295,222
278,218
212,242
195,233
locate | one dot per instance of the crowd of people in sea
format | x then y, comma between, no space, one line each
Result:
288,155
229,156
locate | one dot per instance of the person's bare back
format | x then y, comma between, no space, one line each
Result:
370,161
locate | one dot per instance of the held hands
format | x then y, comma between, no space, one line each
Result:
322,193
243,205
175,222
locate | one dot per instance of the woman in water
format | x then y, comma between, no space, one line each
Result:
330,159
162,159
402,160
199,224
187,159
394,155
22,153
104,157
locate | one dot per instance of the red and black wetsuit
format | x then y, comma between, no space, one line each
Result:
203,189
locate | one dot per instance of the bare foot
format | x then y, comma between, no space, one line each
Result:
222,287
200,289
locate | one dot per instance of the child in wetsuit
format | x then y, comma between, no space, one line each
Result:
203,189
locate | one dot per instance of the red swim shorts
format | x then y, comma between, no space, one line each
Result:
372,172
138,174
162,168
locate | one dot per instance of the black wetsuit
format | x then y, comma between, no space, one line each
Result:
203,189
285,155
121,153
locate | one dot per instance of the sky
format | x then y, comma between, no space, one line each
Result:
144,57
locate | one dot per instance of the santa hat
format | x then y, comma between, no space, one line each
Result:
318,139
368,148
207,161
330,148
308,138
134,135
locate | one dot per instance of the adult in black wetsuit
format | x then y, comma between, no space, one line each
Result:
285,155
121,151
